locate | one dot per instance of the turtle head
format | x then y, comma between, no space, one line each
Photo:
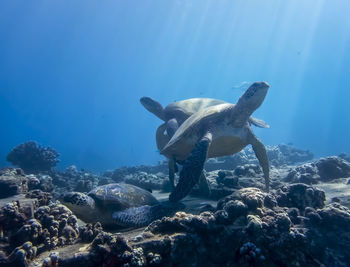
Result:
81,204
254,95
153,106
249,102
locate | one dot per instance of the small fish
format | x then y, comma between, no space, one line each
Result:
241,86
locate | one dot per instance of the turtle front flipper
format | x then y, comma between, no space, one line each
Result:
172,169
133,217
192,168
172,126
144,215
258,123
260,153
153,106
161,137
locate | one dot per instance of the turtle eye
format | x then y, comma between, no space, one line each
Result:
251,92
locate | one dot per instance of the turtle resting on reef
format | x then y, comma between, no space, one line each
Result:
118,204
174,115
216,131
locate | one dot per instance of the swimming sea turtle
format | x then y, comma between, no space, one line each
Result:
174,115
118,204
216,131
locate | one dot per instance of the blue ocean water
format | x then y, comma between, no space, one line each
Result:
72,72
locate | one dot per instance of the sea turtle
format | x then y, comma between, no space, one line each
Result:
215,131
174,115
118,204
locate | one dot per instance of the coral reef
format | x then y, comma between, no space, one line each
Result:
278,156
293,225
12,182
147,180
322,170
118,175
33,158
250,228
345,157
44,227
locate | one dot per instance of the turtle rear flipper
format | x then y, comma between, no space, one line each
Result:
192,168
133,217
144,215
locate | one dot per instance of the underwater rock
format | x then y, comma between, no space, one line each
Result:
33,158
147,180
90,231
248,170
105,250
287,155
73,180
118,175
248,228
40,181
322,170
278,156
224,182
250,255
290,226
20,256
345,157
46,227
328,232
43,198
331,168
83,186
12,182
300,196
262,233
14,214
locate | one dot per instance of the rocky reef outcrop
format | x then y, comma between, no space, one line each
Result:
32,157
278,155
253,228
345,156
148,181
290,227
322,170
13,181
